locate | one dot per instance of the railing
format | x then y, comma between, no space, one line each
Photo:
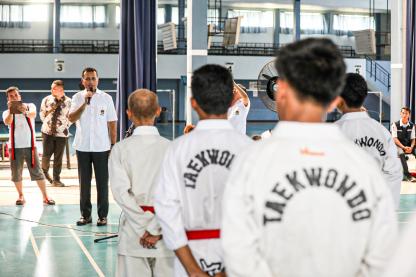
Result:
112,47
377,72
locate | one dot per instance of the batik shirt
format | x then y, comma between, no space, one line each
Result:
56,123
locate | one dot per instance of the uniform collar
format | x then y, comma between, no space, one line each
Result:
404,125
145,130
354,115
213,124
97,91
292,129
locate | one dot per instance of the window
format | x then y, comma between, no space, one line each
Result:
161,13
22,15
83,16
175,15
310,23
344,24
253,21
118,15
36,13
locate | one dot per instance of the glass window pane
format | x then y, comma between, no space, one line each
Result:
161,15
99,14
35,13
118,15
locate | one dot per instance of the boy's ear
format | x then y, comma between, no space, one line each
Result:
158,111
337,102
129,114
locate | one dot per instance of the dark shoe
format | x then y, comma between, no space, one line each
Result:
58,184
20,202
48,177
102,221
84,221
49,202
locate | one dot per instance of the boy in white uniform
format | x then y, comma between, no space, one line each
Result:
189,193
133,167
367,133
307,201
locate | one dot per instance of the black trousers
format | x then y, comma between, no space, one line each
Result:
53,146
98,160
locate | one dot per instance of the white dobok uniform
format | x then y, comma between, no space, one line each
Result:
189,192
376,140
402,263
306,202
237,115
133,168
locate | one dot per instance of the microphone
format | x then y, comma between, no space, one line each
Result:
89,98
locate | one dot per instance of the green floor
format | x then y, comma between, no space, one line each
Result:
60,252
30,249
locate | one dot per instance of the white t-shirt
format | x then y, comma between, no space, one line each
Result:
394,129
92,131
22,138
237,115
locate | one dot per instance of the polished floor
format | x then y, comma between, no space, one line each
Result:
57,247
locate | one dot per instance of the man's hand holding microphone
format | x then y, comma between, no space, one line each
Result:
89,95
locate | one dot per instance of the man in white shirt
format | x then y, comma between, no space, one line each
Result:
54,111
307,201
238,111
133,167
93,111
367,133
403,133
195,168
21,123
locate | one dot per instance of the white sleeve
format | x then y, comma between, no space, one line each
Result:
403,260
412,135
5,114
240,231
383,231
76,102
168,204
393,130
123,195
111,114
42,112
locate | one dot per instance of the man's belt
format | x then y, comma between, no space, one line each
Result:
203,234
192,234
148,209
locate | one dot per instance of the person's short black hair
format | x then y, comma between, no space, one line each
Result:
355,90
406,109
314,67
88,69
212,88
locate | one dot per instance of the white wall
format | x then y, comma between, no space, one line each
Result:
168,66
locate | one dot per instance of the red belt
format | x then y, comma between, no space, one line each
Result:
194,234
203,234
148,209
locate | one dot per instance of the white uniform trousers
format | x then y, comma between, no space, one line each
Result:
128,266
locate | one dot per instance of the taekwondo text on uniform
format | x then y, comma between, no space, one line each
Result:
202,160
356,198
371,142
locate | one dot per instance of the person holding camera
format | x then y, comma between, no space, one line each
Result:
20,118
54,112
96,120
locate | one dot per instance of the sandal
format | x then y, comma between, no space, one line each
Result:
20,202
49,202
